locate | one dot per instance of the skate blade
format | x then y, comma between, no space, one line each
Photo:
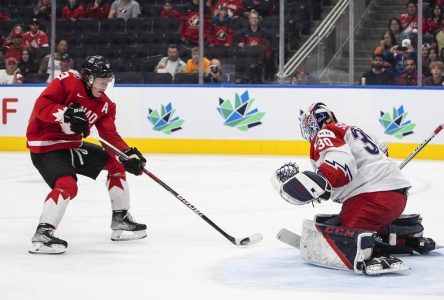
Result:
123,235
40,248
387,271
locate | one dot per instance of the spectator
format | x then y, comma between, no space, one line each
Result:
16,29
73,11
236,8
378,75
409,76
42,10
35,38
168,10
387,48
4,14
213,73
402,53
409,19
439,37
263,7
171,63
192,65
45,64
300,76
254,35
434,22
11,75
189,23
431,56
436,69
124,9
395,27
97,9
221,32
27,63
65,66
15,49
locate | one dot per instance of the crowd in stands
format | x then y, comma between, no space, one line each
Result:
395,58
157,41
241,35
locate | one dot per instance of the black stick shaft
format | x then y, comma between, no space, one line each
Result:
169,189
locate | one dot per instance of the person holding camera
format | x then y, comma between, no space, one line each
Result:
214,72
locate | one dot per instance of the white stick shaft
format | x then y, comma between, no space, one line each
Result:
422,145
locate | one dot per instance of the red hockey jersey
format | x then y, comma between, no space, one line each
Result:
353,162
47,130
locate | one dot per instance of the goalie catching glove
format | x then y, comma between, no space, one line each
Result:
300,188
135,162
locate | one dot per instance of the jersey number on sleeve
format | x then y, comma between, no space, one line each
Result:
369,144
324,142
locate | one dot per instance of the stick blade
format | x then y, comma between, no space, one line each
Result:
251,240
289,237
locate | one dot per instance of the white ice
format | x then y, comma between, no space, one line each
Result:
183,257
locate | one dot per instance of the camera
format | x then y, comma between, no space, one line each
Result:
214,69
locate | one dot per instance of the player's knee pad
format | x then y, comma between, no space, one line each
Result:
336,247
404,236
67,186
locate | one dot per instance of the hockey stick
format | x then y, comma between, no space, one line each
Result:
422,145
252,239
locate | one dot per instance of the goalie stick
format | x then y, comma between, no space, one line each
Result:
422,145
252,239
289,237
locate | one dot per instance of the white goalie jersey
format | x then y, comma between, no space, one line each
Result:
353,162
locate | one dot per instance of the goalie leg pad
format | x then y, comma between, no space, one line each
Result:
336,247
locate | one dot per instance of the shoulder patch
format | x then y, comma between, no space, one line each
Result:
326,133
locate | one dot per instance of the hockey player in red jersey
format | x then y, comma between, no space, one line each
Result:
351,168
62,115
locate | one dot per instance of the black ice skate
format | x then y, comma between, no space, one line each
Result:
44,242
383,264
422,245
125,228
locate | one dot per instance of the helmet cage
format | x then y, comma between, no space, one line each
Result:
309,126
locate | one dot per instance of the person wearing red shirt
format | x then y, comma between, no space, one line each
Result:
189,23
235,7
73,11
168,10
221,32
62,115
97,9
16,48
35,38
4,15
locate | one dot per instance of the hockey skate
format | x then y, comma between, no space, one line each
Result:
44,242
383,265
125,228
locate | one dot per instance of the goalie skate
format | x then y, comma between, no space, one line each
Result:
44,241
124,228
383,265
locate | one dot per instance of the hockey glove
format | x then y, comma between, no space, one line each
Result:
135,162
300,188
75,116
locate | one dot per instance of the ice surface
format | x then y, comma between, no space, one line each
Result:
183,257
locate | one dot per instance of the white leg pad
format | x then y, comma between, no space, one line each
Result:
319,245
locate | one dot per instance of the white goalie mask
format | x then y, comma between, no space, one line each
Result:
312,120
